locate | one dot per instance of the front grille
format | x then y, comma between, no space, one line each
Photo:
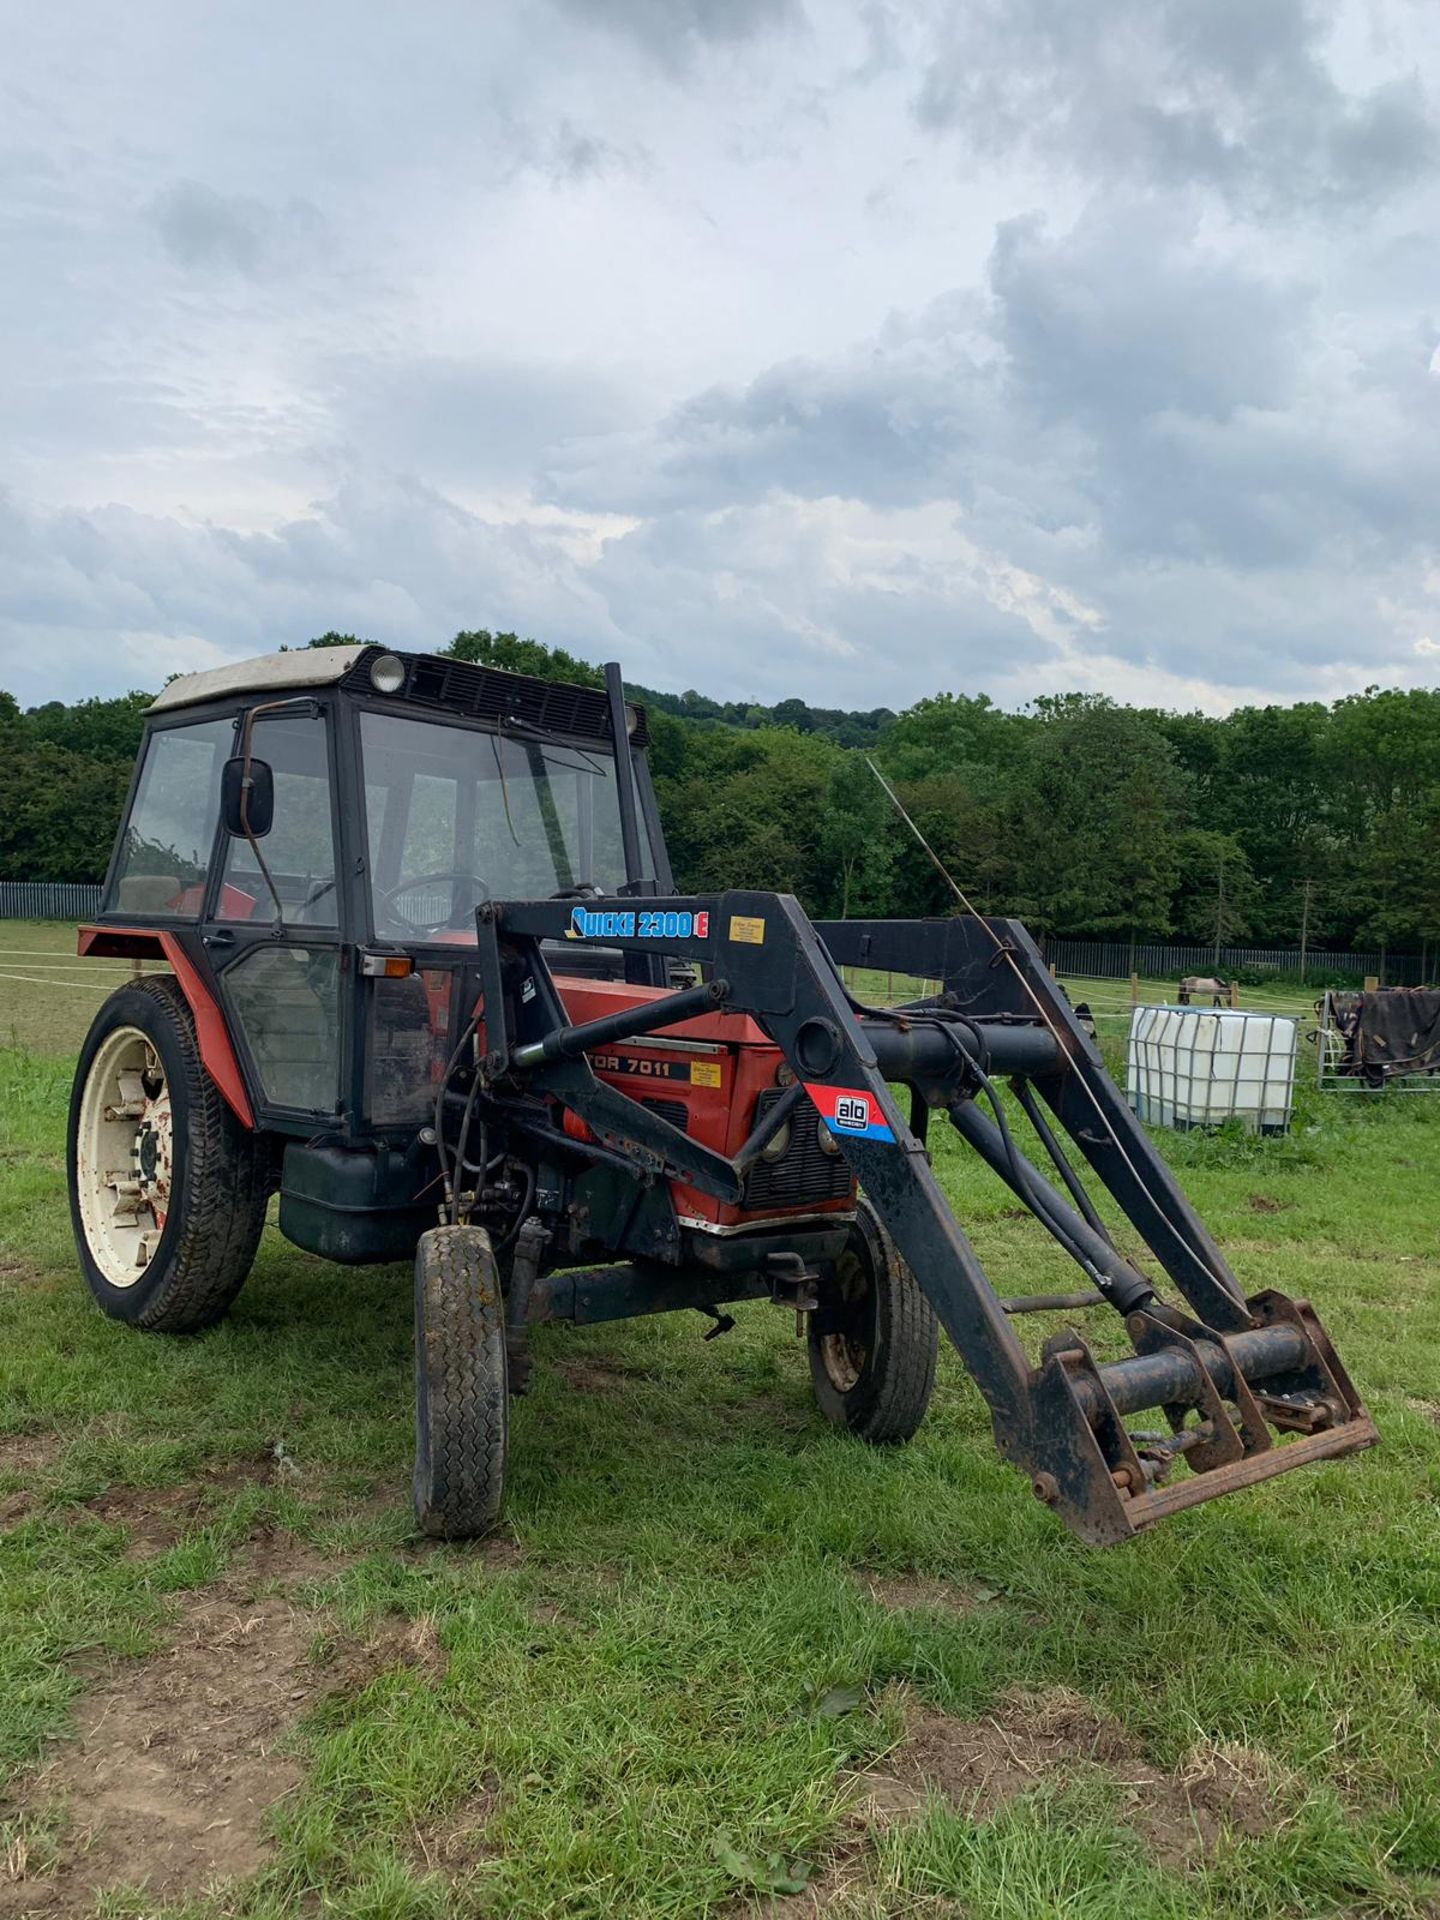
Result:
807,1174
506,699
675,1111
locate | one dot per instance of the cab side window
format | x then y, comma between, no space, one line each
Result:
164,856
298,854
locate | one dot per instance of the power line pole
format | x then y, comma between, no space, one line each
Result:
1219,910
1305,927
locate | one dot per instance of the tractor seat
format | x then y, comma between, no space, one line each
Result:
148,892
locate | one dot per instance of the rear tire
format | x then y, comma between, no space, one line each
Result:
167,1187
462,1399
873,1340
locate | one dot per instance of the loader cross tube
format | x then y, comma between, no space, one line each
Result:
1060,1422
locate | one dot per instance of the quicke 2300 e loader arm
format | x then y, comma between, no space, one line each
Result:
1247,1388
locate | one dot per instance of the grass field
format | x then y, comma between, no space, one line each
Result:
720,1660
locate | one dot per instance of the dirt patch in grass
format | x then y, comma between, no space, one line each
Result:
917,1593
154,1517
22,1454
393,1643
1048,1739
24,1457
1267,1203
174,1767
828,1896
600,1376
454,1845
177,1760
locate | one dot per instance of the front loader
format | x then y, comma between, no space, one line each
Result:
429,978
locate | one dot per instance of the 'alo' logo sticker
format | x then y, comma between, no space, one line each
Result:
852,1111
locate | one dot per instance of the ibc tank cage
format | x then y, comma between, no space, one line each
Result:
1194,1067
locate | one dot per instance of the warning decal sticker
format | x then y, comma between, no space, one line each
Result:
852,1111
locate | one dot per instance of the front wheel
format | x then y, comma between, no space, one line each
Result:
873,1339
462,1397
167,1187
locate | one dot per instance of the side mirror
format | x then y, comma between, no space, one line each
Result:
247,798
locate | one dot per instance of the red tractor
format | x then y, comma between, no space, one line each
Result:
430,981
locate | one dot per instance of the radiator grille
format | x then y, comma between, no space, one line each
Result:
675,1111
806,1174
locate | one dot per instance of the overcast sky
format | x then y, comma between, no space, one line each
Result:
772,346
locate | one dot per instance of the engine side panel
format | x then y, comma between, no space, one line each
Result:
709,1074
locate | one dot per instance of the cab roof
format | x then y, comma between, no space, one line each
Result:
267,673
493,696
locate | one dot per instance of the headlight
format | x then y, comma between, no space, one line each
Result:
828,1142
388,674
777,1148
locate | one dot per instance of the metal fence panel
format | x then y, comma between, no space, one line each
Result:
1099,959
1117,959
47,900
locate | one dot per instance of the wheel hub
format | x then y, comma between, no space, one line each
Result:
845,1351
125,1156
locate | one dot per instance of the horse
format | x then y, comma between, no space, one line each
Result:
1205,983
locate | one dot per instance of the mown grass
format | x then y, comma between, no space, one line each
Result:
646,1691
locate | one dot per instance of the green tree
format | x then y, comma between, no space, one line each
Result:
508,650
59,813
1098,817
857,835
1217,897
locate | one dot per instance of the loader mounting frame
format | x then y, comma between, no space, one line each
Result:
1230,1373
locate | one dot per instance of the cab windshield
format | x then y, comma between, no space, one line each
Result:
455,816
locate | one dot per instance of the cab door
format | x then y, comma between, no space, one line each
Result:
273,925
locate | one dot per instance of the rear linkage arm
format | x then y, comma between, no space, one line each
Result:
1224,1375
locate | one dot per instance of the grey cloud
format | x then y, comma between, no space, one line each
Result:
755,594
564,154
1170,437
470,422
673,31
1119,383
203,229
1163,428
577,155
1128,315
891,424
1227,95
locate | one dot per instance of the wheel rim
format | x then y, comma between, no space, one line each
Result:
125,1156
843,1354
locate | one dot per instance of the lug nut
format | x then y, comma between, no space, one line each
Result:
1046,1487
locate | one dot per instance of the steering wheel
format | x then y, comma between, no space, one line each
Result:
452,919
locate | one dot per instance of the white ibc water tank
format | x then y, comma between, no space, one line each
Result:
1193,1067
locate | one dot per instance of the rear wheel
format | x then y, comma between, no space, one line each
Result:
462,1401
167,1188
873,1339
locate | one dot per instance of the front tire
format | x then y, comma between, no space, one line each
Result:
167,1187
873,1339
462,1395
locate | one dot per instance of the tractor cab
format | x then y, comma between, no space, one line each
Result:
316,830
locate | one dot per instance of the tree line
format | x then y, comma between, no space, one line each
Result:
1081,816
